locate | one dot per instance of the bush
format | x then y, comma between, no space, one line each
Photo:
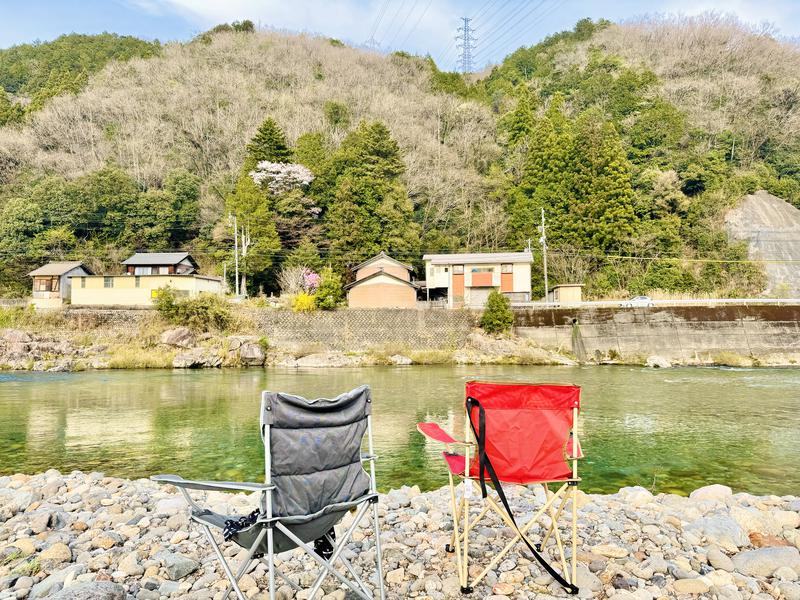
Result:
497,316
304,302
203,312
330,293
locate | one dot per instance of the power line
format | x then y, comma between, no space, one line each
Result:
390,25
419,20
496,43
372,42
403,24
513,40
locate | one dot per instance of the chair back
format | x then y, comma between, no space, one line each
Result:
528,428
312,449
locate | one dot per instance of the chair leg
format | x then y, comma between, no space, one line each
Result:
455,544
466,588
271,562
224,564
574,577
378,553
247,561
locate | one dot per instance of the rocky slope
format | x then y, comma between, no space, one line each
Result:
771,227
94,537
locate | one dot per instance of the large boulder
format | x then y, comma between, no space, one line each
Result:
16,336
721,530
714,492
327,359
251,354
197,358
177,566
658,362
182,337
765,561
92,590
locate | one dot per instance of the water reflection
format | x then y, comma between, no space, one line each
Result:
669,430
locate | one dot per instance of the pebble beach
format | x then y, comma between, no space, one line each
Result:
88,536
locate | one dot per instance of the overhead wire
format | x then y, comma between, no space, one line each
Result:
403,24
419,20
381,12
520,35
498,42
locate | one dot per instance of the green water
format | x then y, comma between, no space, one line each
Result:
668,430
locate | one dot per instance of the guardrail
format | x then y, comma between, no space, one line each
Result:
659,303
14,301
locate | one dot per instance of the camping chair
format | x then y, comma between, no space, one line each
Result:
314,476
524,434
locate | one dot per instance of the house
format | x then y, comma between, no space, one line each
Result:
467,279
382,282
51,282
146,274
566,293
160,263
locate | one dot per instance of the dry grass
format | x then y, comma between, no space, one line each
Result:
134,357
197,106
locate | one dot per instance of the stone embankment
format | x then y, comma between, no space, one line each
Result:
181,348
86,536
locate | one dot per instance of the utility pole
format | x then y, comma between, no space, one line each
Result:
245,239
232,221
543,242
466,43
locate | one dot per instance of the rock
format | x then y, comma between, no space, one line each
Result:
130,565
57,553
719,560
785,574
251,354
182,337
502,589
712,492
107,540
658,362
395,576
759,540
399,359
327,359
690,586
636,496
25,546
178,566
790,591
765,561
93,590
721,530
610,550
16,336
197,358
55,581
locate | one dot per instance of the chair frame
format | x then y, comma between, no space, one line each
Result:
553,507
326,567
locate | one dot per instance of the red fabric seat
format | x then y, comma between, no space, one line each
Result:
528,429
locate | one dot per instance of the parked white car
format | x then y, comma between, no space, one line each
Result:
637,302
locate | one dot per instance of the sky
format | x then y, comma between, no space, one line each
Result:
417,26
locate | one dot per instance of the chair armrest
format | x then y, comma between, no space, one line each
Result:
434,432
365,456
219,486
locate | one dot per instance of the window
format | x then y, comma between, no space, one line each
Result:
55,284
163,270
458,269
138,281
108,282
142,270
482,269
446,269
83,282
507,268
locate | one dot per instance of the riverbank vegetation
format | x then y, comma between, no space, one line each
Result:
634,138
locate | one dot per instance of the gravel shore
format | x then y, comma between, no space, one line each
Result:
87,536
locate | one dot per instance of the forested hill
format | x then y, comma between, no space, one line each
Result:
634,138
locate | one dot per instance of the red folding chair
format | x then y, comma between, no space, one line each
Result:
523,434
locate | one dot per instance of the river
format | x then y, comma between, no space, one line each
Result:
668,430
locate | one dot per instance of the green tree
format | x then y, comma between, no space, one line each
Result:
330,293
10,112
336,114
497,317
370,209
311,150
519,123
305,254
269,143
57,243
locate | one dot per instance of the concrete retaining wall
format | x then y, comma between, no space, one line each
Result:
683,333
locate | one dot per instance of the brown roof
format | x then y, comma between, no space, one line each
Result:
56,269
378,274
379,256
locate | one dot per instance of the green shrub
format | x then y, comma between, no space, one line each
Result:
497,316
203,312
330,292
304,302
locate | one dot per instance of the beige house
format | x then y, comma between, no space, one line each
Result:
382,282
51,282
147,273
566,293
467,279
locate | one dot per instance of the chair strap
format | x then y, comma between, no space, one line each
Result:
485,466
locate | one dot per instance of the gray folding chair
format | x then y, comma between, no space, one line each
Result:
314,476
